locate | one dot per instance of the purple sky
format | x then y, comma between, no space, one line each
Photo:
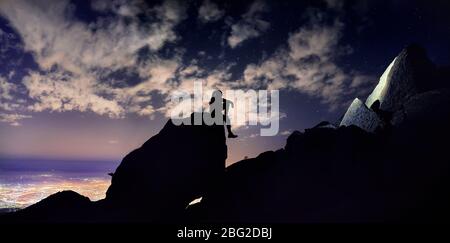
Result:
90,80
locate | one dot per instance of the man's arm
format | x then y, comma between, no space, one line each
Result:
229,102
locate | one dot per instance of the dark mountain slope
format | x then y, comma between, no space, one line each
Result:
398,172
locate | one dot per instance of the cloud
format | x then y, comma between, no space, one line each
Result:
9,42
335,4
78,60
190,71
13,119
9,104
113,141
308,64
57,91
286,133
251,25
158,73
124,8
311,62
54,37
209,12
6,89
315,41
75,57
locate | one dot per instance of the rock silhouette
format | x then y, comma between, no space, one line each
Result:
323,174
340,175
355,173
64,207
171,169
153,183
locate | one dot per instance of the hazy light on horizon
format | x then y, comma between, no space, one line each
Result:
20,195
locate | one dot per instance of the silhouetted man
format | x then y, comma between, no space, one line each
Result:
226,104
385,116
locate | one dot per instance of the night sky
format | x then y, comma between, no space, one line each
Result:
90,80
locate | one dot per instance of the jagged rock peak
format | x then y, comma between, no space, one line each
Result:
406,76
360,115
409,74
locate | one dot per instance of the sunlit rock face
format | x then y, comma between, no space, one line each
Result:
379,93
359,115
408,75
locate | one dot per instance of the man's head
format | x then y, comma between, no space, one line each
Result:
217,94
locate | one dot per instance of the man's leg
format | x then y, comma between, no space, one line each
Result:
228,125
230,133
